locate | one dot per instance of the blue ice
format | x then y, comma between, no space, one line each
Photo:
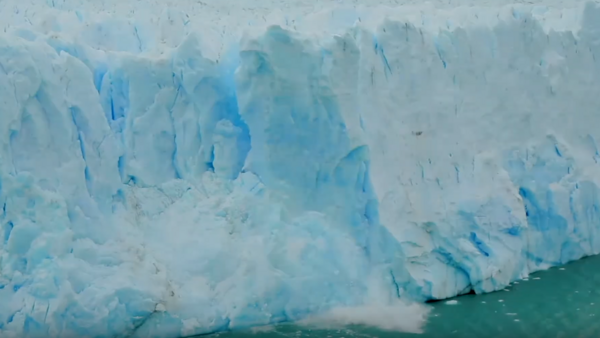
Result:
165,175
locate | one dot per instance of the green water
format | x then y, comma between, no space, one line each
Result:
560,302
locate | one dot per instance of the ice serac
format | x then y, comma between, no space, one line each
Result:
483,159
163,176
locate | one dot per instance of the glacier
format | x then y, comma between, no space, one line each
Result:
170,169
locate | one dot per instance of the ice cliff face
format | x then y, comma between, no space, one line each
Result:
161,176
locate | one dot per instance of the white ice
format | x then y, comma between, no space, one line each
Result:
177,168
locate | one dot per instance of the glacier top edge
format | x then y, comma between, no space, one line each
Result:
161,26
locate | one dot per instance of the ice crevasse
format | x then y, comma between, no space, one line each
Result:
173,169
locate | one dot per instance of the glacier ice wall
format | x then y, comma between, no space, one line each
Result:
162,177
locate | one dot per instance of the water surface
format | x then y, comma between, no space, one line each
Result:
560,302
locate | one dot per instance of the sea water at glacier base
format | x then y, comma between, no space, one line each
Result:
559,302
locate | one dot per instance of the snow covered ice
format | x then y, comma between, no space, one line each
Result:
177,168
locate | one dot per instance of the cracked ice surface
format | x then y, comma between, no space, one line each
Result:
185,168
